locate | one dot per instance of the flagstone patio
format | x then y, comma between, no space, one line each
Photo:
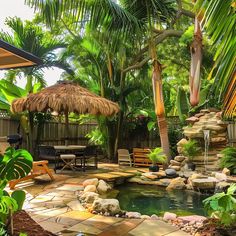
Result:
55,207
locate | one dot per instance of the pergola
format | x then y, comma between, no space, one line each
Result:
12,57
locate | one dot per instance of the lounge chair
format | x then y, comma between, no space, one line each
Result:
124,157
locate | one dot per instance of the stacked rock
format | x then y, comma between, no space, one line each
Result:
177,163
207,120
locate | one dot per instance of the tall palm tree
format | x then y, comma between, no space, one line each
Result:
218,19
33,39
131,19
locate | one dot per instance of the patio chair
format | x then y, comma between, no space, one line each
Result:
90,153
68,161
48,153
124,157
39,168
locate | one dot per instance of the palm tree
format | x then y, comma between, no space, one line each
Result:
131,19
33,39
218,19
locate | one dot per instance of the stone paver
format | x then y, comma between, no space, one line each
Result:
87,229
121,228
157,227
55,207
71,187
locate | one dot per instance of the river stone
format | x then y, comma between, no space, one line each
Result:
93,181
110,206
90,188
169,216
132,214
170,172
195,218
103,187
89,197
179,158
177,183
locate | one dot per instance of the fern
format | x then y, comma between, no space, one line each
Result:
157,156
229,159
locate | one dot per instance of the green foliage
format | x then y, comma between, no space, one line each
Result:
19,197
182,104
223,206
191,149
96,137
13,165
157,156
229,159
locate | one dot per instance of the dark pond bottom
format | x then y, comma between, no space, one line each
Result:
150,200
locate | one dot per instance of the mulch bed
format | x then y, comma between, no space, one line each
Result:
23,223
211,228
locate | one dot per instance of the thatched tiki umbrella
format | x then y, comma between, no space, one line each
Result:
65,97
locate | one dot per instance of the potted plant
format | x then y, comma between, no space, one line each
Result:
190,150
156,156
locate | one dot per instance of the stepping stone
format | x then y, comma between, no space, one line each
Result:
102,222
76,206
52,227
71,187
121,228
85,229
155,227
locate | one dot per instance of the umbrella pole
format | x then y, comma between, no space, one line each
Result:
66,127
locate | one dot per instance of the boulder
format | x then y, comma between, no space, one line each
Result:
150,175
169,216
154,217
132,214
146,217
160,174
175,163
103,187
90,188
110,206
89,197
207,183
226,171
221,186
93,181
177,183
220,176
179,158
170,172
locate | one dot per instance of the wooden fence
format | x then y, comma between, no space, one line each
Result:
53,133
232,134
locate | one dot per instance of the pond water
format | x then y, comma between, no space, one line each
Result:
150,200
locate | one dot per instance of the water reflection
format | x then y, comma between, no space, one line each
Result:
155,200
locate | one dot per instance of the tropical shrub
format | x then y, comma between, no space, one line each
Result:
223,206
191,149
14,164
229,159
157,156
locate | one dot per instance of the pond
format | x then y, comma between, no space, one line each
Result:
150,200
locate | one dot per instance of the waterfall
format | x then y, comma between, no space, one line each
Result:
206,135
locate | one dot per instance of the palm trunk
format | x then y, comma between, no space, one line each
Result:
159,108
196,61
